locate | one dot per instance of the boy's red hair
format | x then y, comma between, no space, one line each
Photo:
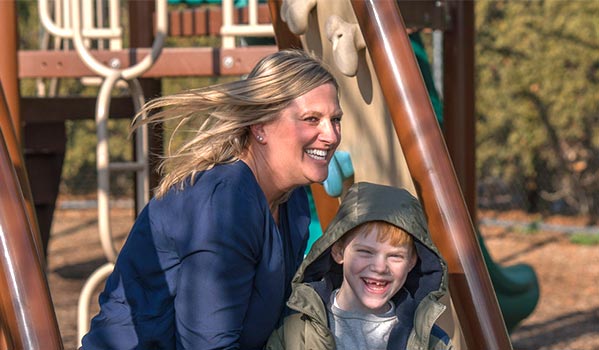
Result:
386,232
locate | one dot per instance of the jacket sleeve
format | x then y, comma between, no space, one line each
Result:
276,341
218,264
290,335
439,339
300,332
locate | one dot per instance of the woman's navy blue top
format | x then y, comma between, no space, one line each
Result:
205,267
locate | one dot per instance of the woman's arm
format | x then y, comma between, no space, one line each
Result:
216,276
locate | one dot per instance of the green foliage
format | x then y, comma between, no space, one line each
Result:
585,239
537,72
28,25
537,103
531,228
79,177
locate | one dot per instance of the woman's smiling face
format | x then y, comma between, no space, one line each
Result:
301,141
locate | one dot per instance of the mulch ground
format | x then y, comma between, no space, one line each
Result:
566,317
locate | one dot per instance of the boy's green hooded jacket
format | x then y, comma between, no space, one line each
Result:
416,303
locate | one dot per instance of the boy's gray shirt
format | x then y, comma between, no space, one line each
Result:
417,305
354,330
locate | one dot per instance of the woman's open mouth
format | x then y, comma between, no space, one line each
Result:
317,154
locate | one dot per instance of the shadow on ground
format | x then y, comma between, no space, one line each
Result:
567,327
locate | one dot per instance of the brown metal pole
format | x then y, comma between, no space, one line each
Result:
25,304
142,35
8,62
432,172
10,119
459,97
16,156
40,213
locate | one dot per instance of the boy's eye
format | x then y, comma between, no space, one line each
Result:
336,120
396,257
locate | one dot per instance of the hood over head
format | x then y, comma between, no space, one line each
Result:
366,202
417,305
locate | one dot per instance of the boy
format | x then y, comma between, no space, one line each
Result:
372,281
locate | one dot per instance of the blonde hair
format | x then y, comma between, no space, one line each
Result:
226,111
385,232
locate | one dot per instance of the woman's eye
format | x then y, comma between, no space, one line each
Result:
311,119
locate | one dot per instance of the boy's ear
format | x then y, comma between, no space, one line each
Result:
337,252
414,258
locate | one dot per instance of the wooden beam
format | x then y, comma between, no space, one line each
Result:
173,62
37,110
207,20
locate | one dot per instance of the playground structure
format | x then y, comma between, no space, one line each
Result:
382,70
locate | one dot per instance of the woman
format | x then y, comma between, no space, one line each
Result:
209,261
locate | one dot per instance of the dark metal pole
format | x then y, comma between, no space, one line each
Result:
10,119
26,307
433,174
18,161
141,17
9,62
459,94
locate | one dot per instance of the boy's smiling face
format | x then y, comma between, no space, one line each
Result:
372,271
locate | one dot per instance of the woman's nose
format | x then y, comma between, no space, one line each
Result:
329,132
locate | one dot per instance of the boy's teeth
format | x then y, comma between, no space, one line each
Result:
376,283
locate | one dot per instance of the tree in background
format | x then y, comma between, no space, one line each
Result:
537,65
538,101
79,171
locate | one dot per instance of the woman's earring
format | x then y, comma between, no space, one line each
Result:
259,138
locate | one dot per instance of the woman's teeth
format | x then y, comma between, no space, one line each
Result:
317,154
